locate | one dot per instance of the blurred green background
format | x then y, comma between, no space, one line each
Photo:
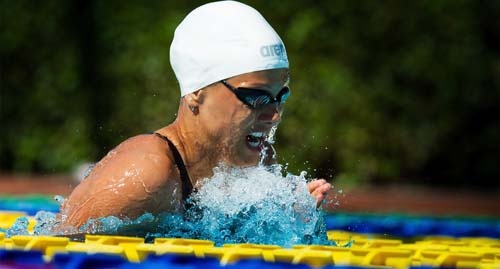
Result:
383,92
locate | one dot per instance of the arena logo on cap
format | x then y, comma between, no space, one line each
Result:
273,50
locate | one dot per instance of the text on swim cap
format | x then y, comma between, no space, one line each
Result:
272,50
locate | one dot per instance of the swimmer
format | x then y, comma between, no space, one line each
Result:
232,69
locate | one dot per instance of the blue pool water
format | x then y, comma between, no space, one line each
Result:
236,205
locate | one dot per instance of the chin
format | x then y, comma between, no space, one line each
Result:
242,154
245,162
245,159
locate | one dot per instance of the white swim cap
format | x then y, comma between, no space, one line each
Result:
220,40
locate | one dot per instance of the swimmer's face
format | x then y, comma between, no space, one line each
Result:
240,128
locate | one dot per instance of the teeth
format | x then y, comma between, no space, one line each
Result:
254,138
254,144
257,134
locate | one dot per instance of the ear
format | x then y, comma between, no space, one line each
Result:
194,99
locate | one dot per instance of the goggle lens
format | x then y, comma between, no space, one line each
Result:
256,98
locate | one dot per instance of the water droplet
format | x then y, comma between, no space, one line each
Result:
59,199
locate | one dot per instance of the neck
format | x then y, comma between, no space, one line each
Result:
197,150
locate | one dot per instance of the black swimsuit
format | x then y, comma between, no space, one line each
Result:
187,186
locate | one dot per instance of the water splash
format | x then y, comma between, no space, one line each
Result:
236,205
20,227
258,205
271,135
264,150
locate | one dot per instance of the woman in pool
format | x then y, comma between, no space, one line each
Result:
233,74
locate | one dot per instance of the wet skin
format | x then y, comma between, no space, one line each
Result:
212,126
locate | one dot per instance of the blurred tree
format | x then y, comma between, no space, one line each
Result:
382,92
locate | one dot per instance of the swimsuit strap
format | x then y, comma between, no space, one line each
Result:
187,186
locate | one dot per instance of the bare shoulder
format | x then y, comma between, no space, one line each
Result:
149,143
146,154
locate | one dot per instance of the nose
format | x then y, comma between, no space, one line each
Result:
271,114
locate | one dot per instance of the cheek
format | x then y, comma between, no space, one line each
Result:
241,121
227,118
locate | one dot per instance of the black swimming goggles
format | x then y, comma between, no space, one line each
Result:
256,98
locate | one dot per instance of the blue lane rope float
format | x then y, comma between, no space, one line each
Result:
412,226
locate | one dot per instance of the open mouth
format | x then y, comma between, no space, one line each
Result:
254,140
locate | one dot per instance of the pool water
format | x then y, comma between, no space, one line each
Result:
237,205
